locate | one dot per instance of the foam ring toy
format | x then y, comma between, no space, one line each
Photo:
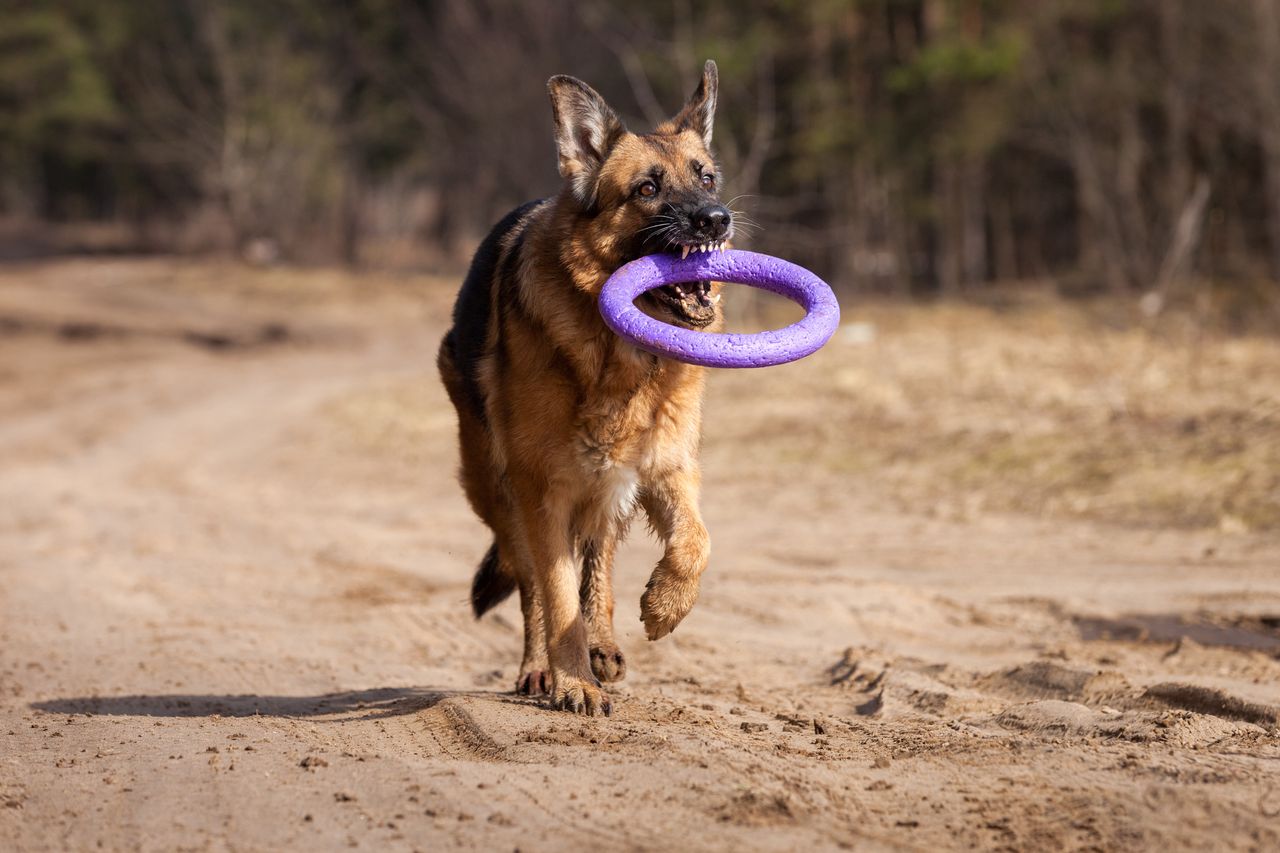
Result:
779,346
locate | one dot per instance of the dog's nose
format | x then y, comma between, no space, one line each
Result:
712,221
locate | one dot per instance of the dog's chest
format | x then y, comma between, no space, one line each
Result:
618,455
626,433
632,427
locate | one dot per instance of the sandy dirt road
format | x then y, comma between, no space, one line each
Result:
233,575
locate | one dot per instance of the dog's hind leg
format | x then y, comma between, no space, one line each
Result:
596,595
535,669
501,570
494,581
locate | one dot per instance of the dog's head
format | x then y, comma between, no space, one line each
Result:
639,194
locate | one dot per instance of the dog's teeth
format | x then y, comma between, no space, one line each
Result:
715,300
684,252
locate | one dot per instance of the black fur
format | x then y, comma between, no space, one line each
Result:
491,584
466,340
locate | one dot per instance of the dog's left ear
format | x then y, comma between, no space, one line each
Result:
586,130
700,111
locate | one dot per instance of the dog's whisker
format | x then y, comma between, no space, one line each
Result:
658,226
740,216
746,222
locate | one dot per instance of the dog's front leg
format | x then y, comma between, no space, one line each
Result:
596,594
672,504
573,686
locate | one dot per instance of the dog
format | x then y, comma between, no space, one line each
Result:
565,430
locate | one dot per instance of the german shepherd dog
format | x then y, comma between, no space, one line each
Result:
566,429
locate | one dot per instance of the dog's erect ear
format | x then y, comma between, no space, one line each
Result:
700,111
586,129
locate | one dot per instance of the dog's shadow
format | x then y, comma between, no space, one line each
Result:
373,704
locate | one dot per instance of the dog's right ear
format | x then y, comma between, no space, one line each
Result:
586,130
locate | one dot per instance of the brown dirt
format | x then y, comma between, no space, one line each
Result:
234,566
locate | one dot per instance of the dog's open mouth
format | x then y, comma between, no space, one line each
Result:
690,303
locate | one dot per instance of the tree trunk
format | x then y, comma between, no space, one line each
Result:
350,216
1267,82
973,216
1004,239
1185,237
947,226
1100,238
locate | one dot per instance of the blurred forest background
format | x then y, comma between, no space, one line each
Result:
896,146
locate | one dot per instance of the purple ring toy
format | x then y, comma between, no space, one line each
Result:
822,312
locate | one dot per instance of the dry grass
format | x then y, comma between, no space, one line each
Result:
1037,406
1028,404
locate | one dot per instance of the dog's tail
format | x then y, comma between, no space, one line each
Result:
492,584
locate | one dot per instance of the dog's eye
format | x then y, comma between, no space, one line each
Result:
648,189
708,181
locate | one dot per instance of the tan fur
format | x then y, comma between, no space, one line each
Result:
581,428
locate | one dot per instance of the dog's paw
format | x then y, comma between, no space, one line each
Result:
580,697
608,662
667,599
533,682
